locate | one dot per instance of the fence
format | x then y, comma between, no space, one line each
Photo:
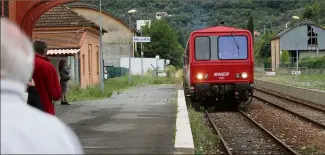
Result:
307,66
113,71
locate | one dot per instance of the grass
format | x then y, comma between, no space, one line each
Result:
174,101
302,81
114,85
310,151
205,141
315,81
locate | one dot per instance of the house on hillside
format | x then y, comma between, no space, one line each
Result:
72,37
159,15
116,42
306,37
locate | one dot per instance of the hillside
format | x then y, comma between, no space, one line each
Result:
188,15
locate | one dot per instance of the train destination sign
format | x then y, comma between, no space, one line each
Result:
141,39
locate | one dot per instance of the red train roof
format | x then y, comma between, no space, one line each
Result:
220,29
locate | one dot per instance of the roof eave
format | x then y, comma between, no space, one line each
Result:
125,24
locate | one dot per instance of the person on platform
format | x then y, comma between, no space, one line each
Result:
64,79
24,129
46,78
33,96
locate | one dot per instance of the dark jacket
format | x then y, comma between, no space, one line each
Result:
34,98
64,75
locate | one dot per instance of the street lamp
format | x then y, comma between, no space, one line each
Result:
101,50
131,41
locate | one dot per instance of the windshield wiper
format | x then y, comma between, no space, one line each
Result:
237,44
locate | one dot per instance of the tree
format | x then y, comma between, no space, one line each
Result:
285,57
250,25
308,13
164,42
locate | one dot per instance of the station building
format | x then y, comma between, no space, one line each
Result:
306,37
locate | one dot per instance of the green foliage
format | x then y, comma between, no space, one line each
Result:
285,57
164,42
316,11
262,47
308,13
170,70
250,25
189,15
313,62
196,14
205,141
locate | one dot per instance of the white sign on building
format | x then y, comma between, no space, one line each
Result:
142,23
141,39
295,72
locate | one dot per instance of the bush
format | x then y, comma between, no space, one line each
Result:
285,57
170,70
313,62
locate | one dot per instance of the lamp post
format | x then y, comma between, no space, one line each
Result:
101,49
131,41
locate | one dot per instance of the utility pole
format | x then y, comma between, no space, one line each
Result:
101,49
141,52
297,60
131,47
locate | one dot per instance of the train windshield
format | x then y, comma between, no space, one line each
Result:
232,47
202,48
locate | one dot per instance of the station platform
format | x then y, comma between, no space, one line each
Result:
140,120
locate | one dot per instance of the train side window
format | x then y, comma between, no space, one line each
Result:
202,48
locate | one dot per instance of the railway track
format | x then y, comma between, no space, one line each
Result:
239,134
306,111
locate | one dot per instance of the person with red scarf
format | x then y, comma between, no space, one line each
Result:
46,78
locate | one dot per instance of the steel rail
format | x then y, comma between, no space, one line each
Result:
270,134
224,144
292,112
292,100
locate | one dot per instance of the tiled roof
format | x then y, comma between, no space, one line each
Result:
62,16
60,40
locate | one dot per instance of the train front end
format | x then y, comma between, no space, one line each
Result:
222,65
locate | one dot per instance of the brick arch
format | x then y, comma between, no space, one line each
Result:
26,13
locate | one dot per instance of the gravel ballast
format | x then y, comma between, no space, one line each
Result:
242,136
311,113
295,132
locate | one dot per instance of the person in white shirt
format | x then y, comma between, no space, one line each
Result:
24,129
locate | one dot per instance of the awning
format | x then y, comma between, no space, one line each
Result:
62,51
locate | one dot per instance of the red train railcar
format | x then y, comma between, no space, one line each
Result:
218,63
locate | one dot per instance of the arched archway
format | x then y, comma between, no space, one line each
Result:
26,13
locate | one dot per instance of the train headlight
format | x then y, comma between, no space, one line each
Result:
244,75
199,76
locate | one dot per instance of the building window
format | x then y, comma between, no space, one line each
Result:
312,38
89,58
97,58
83,65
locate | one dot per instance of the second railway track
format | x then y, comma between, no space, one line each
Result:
308,112
240,134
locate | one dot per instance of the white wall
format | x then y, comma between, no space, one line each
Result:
142,23
136,64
